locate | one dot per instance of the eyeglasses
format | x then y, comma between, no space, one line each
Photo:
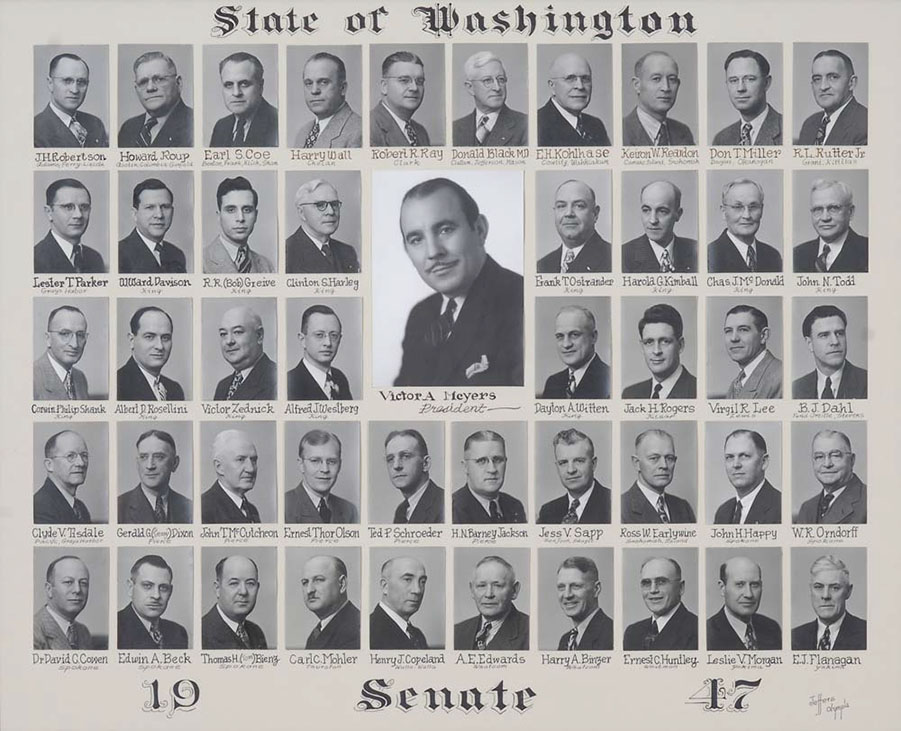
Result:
484,461
69,81
156,80
753,208
70,208
323,206
317,462
321,335
489,81
66,335
70,457
833,210
834,456
573,78
408,80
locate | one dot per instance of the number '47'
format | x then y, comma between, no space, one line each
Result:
715,695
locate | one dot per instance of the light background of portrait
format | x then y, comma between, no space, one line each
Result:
95,356
802,180
857,332
720,112
717,488
771,229
397,285
430,617
214,366
97,182
129,104
95,615
546,183
181,559
770,562
634,609
803,103
298,112
181,183
383,496
465,560
514,434
94,491
553,623
513,56
547,481
262,434
600,59
179,366
431,111
300,621
630,203
547,359
721,369
802,558
347,485
96,101
685,438
804,483
264,613
127,433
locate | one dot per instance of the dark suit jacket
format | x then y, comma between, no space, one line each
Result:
217,507
303,387
384,634
849,129
597,510
638,256
49,130
384,132
854,256
680,633
510,129
47,386
304,257
852,636
133,635
635,508
341,633
132,386
215,634
770,131
598,634
555,131
513,634
136,258
51,507
849,507
595,382
723,257
466,509
133,507
685,387
721,636
764,382
50,259
489,324
263,130
178,131
852,385
345,129
260,385
300,509
48,635
430,508
634,134
595,256
765,510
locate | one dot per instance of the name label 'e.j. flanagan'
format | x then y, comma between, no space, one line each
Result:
373,697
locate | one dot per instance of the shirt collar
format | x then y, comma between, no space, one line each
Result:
58,368
414,499
160,121
666,385
833,629
578,373
318,374
583,625
395,617
314,496
583,499
576,250
64,117
651,125
148,625
835,248
835,494
232,624
835,379
317,240
755,123
66,246
247,122
741,245
749,369
658,249
661,621
459,299
571,118
492,118
400,122
748,500
833,116
235,497
63,623
329,618
151,379
652,495
245,372
231,248
151,497
70,498
738,626
485,502
149,244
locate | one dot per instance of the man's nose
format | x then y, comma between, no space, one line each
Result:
665,84
434,248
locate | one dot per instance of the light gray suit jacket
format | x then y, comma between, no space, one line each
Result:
48,635
764,382
48,387
217,261
345,129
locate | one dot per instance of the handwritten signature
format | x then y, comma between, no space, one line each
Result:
828,705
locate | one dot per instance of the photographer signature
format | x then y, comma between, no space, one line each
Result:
828,705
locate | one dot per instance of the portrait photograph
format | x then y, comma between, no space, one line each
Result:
685,225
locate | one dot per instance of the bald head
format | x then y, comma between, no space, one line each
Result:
741,585
661,209
570,82
241,337
402,582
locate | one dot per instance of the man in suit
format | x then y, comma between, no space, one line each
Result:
480,500
314,378
662,343
141,625
67,587
756,500
66,462
141,378
747,83
154,500
647,501
60,124
167,121
493,124
656,84
230,252
254,376
61,251
562,121
55,377
470,332
738,625
499,625
402,88
844,119
671,626
575,217
312,501
235,463
311,249
835,628
844,496
323,584
225,626
586,500
834,376
586,375
408,461
737,248
402,583
253,121
659,249
745,332
838,247
334,123
578,589
145,250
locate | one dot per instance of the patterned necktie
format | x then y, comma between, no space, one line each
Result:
77,258
825,640
827,389
72,637
233,388
81,134
145,139
822,261
81,512
243,636
313,136
69,386
568,258
663,136
651,637
580,129
821,130
571,384
736,514
416,637
661,509
159,510
482,129
825,501
331,388
327,252
571,515
446,321
156,635
240,131
750,637
482,637
739,381
411,134
314,635
158,252
400,515
242,259
160,389
571,639
666,262
494,512
752,259
324,511
745,135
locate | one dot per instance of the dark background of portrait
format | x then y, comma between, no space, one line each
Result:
465,560
431,112
771,229
129,104
546,183
383,496
95,356
721,369
630,203
265,612
634,609
514,57
802,180
96,101
514,434
262,434
855,309
770,562
300,621
553,623
600,58
127,433
802,558
94,492
95,615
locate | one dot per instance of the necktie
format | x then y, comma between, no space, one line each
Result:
750,637
822,261
745,135
666,262
331,388
494,512
242,259
821,130
663,136
482,129
567,260
240,131
657,388
324,511
571,639
825,640
416,637
736,514
400,515
581,131
825,501
69,386
81,512
77,258
482,637
158,252
827,389
145,139
160,389
313,136
314,635
446,321
156,635
327,252
81,134
651,637
752,259
72,636
571,515
661,509
571,384
159,510
411,134
233,388
739,381
242,635
250,511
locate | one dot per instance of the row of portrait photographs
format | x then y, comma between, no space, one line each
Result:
660,221
489,93
652,601
405,468
155,347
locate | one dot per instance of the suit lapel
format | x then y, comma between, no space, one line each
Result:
753,382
